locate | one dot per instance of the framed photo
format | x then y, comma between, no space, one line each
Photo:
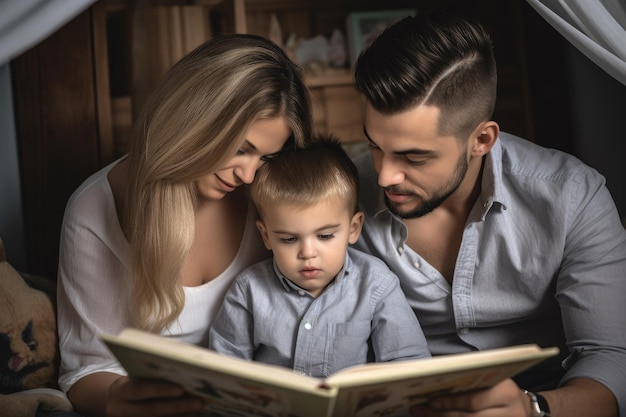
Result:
364,27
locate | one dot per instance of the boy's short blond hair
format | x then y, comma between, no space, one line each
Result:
322,170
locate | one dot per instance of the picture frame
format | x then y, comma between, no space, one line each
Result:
363,27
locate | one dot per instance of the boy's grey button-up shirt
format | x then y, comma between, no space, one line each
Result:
361,315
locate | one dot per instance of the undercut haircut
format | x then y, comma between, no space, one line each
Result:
432,59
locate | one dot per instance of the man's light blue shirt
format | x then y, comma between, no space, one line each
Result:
361,315
542,260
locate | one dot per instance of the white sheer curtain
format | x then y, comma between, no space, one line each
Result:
25,23
596,27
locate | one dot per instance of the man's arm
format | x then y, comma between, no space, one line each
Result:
581,397
578,398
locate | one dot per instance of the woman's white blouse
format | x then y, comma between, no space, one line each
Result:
93,288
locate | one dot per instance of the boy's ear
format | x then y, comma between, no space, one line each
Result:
356,224
484,138
263,231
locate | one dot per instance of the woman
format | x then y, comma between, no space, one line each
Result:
154,240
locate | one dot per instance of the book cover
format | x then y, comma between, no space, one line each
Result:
236,387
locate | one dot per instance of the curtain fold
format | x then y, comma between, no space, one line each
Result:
25,23
597,28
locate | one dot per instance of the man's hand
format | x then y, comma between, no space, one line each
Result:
577,398
502,400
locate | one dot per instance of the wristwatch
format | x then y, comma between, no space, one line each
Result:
538,405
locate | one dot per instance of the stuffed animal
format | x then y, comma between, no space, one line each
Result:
28,347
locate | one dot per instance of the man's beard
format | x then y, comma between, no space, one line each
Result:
438,198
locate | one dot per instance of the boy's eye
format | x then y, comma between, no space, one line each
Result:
241,152
287,239
326,236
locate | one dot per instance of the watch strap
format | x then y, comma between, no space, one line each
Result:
538,405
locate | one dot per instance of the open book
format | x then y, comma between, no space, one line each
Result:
236,387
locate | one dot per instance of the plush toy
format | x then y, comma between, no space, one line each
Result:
28,347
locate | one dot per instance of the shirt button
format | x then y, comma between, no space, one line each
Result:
308,326
463,331
400,250
416,264
301,292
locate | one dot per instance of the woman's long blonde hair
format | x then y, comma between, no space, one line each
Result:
193,124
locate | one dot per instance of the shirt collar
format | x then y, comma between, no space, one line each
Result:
492,187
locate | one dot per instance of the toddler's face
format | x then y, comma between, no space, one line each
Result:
309,244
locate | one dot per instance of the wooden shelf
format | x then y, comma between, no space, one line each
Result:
330,78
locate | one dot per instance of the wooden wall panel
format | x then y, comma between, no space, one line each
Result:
58,142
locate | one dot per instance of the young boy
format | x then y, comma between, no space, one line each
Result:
318,306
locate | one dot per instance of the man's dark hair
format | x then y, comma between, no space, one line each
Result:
432,59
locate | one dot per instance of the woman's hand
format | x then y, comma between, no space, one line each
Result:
105,394
138,398
502,400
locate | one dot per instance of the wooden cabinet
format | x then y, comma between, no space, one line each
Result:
63,128
77,93
337,106
338,109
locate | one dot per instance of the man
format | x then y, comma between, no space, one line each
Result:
496,240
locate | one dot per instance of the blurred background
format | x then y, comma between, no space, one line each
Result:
69,97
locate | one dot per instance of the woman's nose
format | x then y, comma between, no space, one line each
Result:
246,171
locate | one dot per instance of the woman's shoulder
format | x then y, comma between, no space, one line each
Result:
93,196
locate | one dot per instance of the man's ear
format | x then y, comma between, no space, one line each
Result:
356,224
263,231
484,137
